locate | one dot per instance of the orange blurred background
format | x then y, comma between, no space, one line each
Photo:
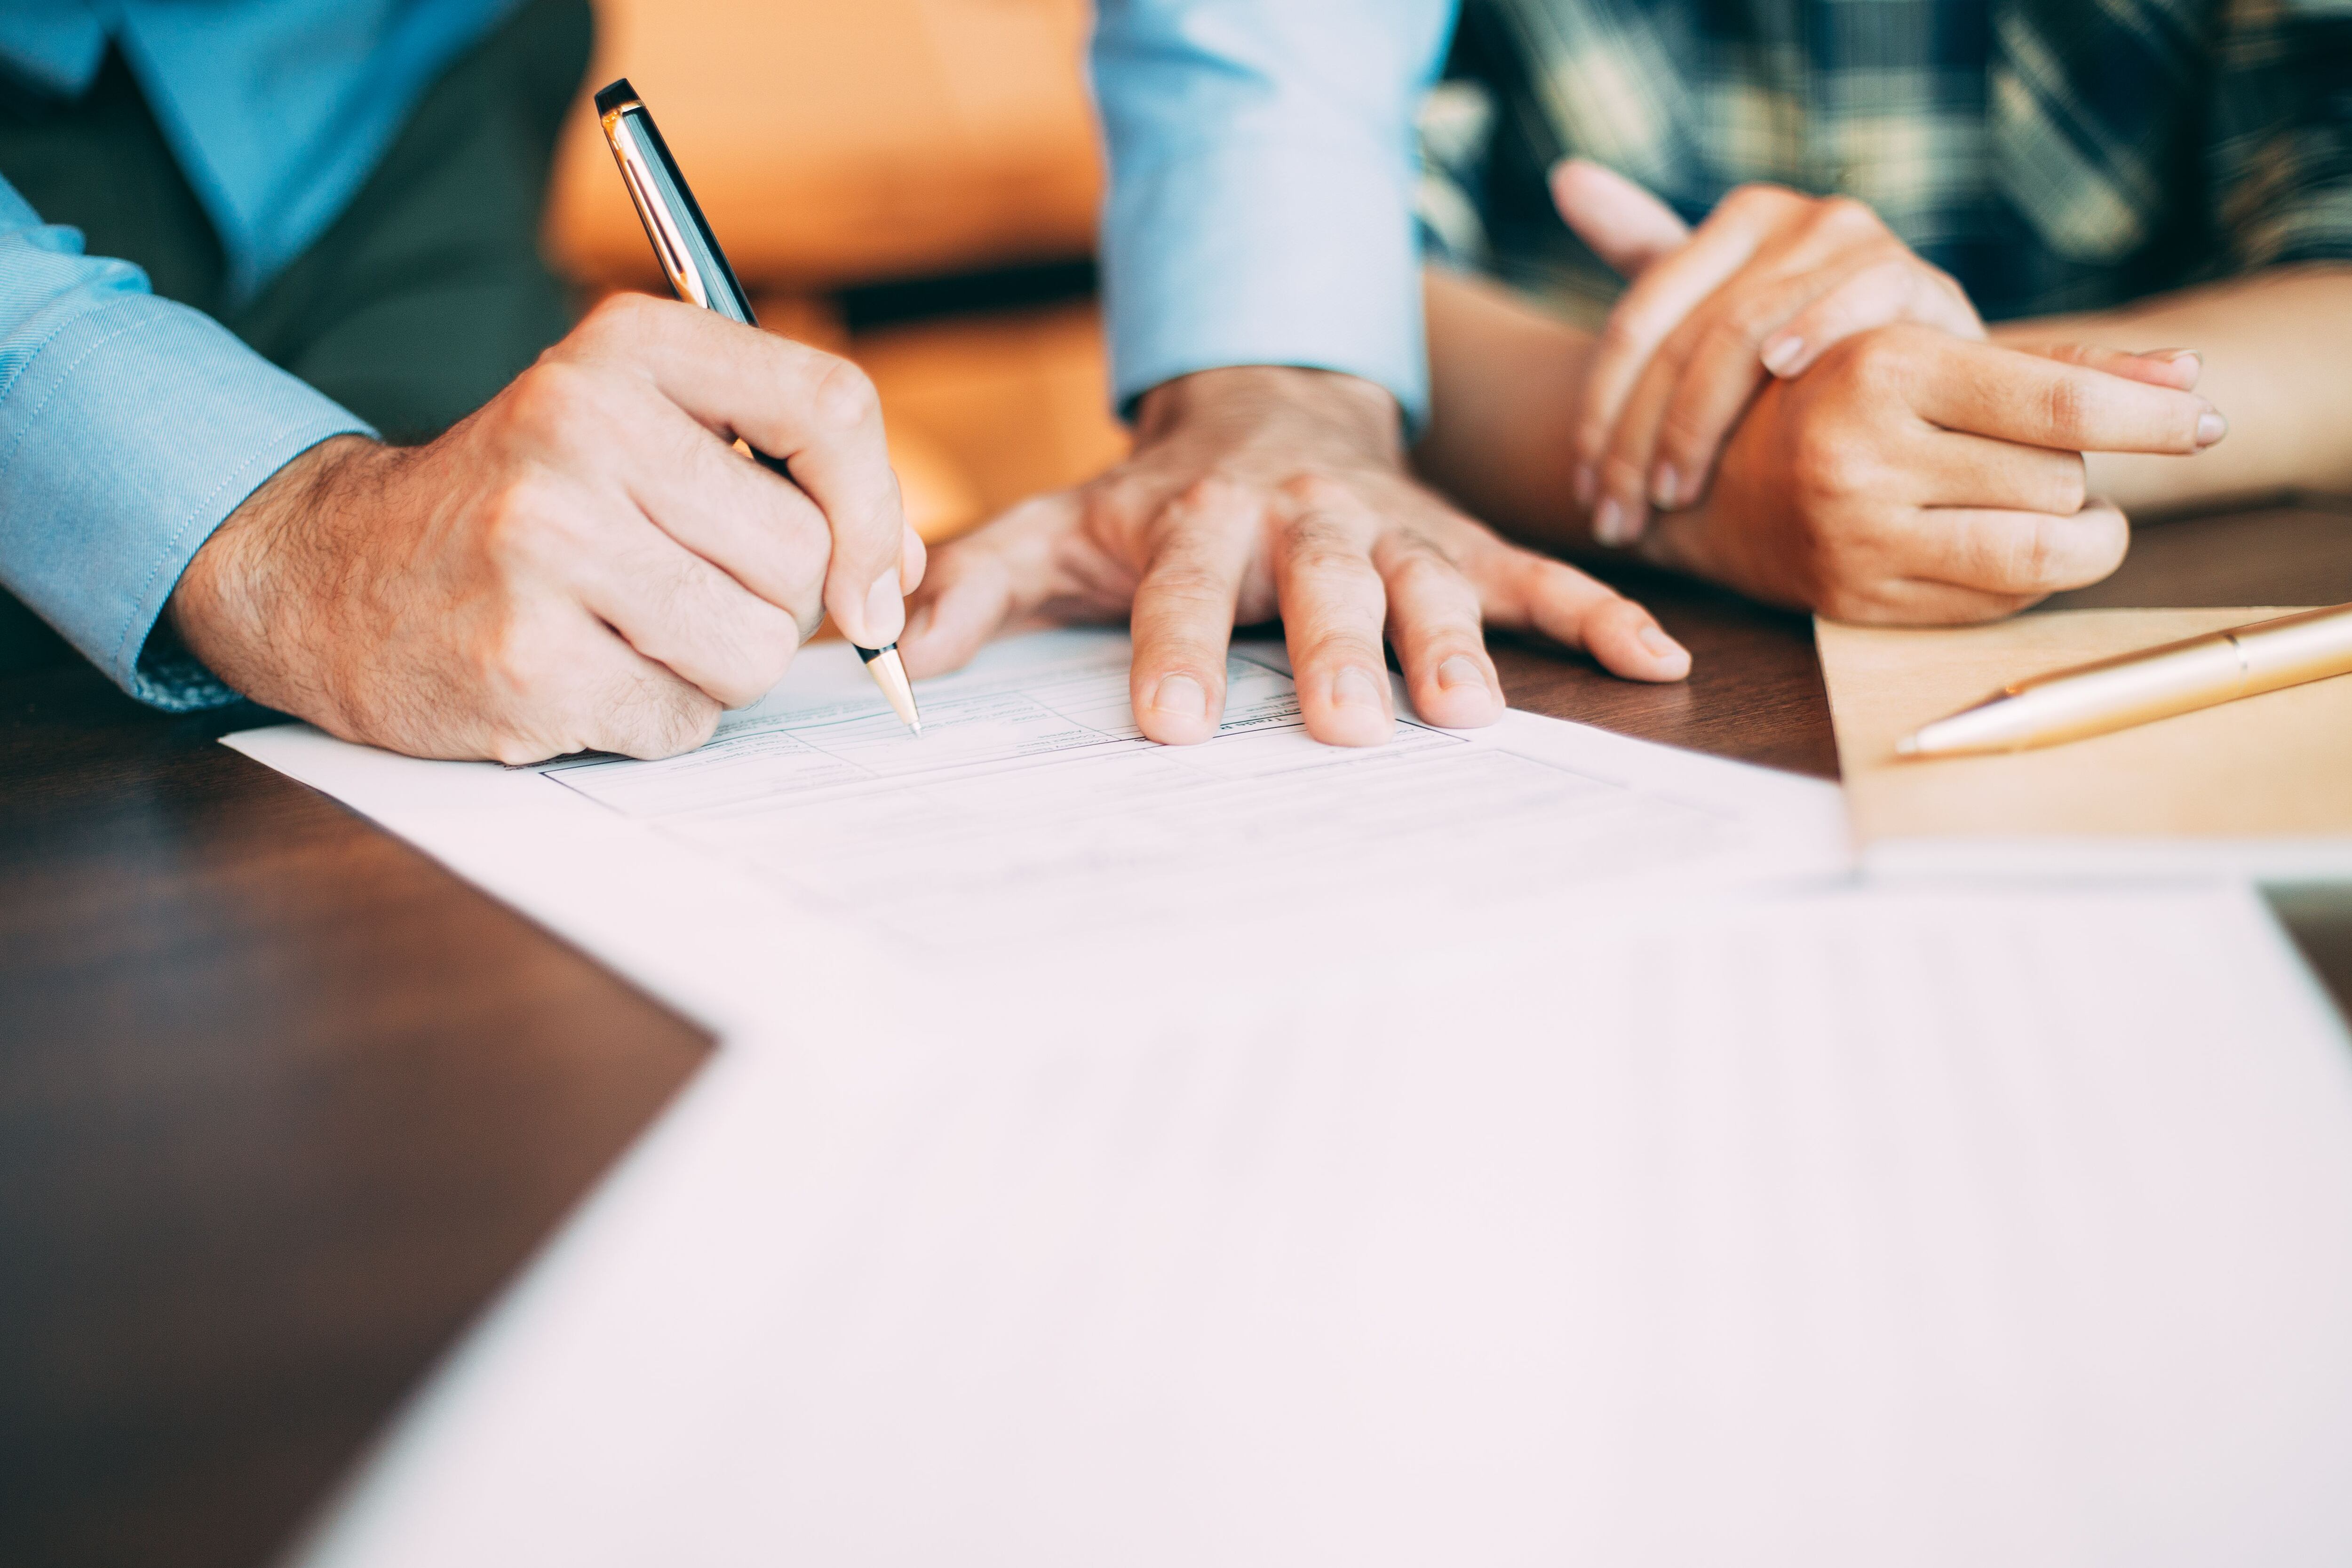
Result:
912,182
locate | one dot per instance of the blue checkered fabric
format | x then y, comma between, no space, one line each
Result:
2051,154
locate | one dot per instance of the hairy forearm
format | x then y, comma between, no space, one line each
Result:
1505,385
2274,345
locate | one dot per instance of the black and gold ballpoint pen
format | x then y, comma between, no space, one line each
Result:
698,271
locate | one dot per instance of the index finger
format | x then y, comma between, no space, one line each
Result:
801,406
2043,402
1655,303
1184,606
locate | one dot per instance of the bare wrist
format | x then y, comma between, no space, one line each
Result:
1245,396
232,607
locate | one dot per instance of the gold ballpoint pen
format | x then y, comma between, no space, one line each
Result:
698,271
2154,683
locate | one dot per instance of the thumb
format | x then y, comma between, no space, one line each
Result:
999,572
1625,226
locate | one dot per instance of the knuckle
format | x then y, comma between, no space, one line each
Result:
1625,335
556,405
1759,198
1558,576
1879,285
1846,215
515,749
623,314
1418,573
1543,589
517,528
1743,328
511,666
1827,464
2033,555
1207,493
1590,441
1933,278
690,724
1687,429
2063,406
1185,583
1542,579
670,720
762,667
1343,646
759,644
805,549
844,396
539,395
2073,487
694,594
1313,546
1119,498
1316,493
1620,475
1874,361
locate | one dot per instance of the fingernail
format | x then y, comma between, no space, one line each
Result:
2210,427
1354,688
886,610
1779,355
1665,484
1181,697
1609,521
1661,646
1584,484
1460,670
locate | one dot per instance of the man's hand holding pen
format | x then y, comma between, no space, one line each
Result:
586,563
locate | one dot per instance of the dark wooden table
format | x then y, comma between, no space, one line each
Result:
282,1102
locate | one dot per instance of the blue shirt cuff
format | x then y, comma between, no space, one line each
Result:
126,436
1262,180
1264,254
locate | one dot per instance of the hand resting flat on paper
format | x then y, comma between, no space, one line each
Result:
1259,490
584,564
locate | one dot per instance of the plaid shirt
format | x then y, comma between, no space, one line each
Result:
2050,154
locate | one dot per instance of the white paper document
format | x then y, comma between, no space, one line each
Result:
815,846
1922,1228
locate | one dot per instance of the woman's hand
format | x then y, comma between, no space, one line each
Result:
1764,287
1911,475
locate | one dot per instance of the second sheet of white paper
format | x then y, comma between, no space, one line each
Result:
1478,1152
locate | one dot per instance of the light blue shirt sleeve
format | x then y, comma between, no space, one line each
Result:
1262,168
130,427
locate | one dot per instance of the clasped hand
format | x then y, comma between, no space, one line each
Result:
1789,400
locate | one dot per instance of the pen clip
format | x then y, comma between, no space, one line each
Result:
670,244
681,237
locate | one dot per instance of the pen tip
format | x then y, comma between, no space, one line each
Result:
890,674
1909,746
